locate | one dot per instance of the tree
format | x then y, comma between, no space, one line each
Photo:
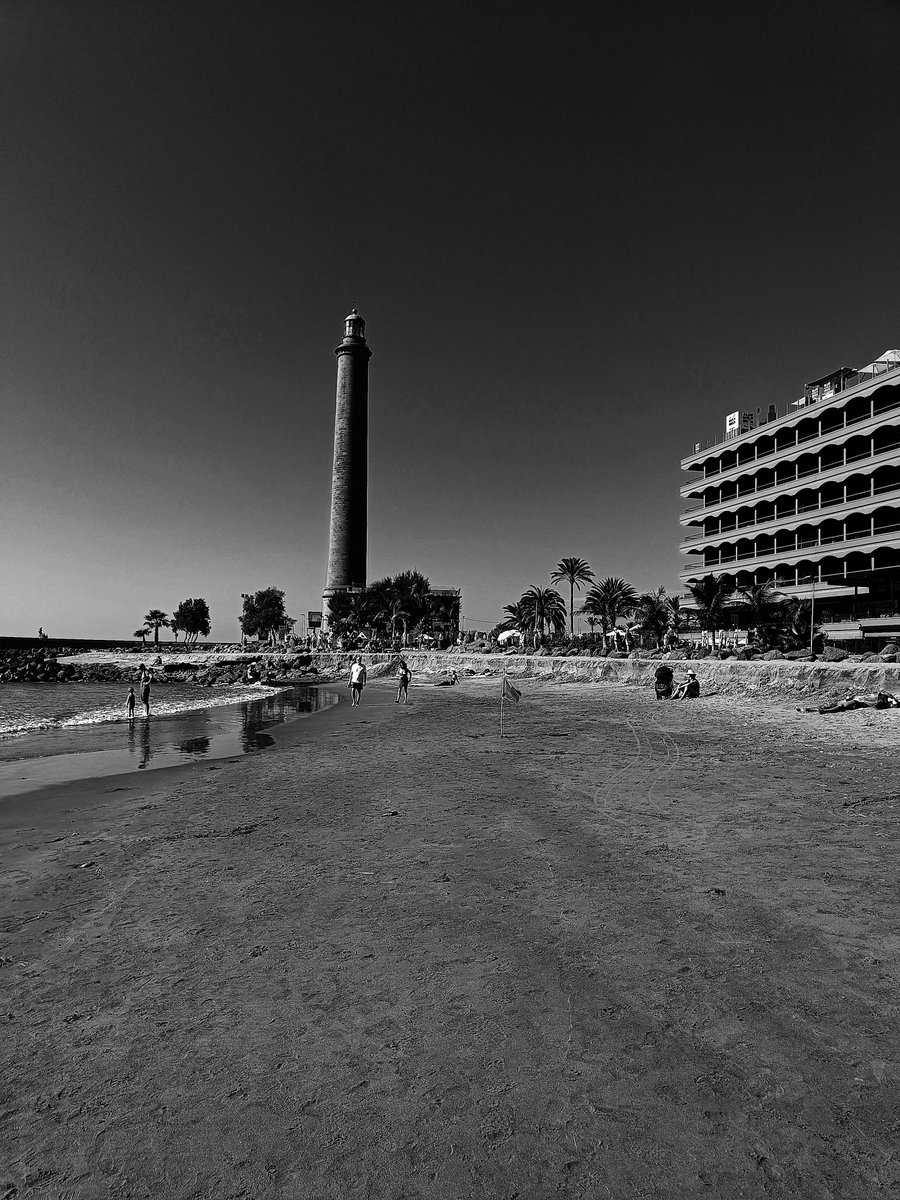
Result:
709,595
677,617
761,607
652,615
156,619
410,597
340,611
542,609
142,634
192,616
575,572
399,601
263,613
608,600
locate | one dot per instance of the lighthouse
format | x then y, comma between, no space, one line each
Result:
346,570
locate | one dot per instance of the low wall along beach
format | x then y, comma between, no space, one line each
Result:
779,678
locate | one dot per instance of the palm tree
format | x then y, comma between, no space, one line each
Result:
401,600
653,614
542,608
142,634
709,595
762,603
156,619
575,572
608,600
677,617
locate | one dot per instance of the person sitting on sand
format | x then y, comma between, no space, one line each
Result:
664,681
689,690
357,681
404,675
129,704
449,681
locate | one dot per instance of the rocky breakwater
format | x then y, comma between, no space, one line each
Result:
279,670
43,666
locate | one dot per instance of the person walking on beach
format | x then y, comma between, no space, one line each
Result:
357,681
145,681
404,675
129,704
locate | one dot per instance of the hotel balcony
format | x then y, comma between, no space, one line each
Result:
805,550
863,503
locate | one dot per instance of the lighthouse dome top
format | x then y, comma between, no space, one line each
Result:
354,325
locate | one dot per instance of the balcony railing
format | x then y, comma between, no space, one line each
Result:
802,508
860,456
857,379
800,441
867,535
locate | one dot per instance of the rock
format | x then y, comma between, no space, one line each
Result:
677,656
870,656
832,654
772,655
890,648
617,654
887,658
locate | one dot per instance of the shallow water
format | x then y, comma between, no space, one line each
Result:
76,748
27,707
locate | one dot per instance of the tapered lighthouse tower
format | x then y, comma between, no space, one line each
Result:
349,481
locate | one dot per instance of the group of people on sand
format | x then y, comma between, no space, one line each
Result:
667,689
144,681
357,681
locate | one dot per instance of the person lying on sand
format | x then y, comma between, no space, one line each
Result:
852,701
448,681
689,690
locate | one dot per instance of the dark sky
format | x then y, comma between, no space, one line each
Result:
580,235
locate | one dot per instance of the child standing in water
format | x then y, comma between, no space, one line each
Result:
129,704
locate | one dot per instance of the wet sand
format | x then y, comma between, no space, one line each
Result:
634,949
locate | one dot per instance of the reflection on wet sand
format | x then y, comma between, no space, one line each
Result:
163,741
258,715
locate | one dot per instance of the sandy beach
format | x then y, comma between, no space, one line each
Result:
634,949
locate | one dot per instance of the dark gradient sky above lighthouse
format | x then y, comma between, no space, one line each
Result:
579,234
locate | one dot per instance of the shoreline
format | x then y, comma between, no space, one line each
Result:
88,767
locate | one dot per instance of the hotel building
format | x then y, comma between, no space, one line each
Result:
808,497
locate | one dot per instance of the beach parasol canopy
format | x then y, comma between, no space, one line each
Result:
886,362
508,634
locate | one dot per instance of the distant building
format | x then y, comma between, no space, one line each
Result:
808,497
444,609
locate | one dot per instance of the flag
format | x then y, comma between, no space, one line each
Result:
508,692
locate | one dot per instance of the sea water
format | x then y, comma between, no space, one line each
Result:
50,733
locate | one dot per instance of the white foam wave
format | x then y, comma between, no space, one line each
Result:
160,708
